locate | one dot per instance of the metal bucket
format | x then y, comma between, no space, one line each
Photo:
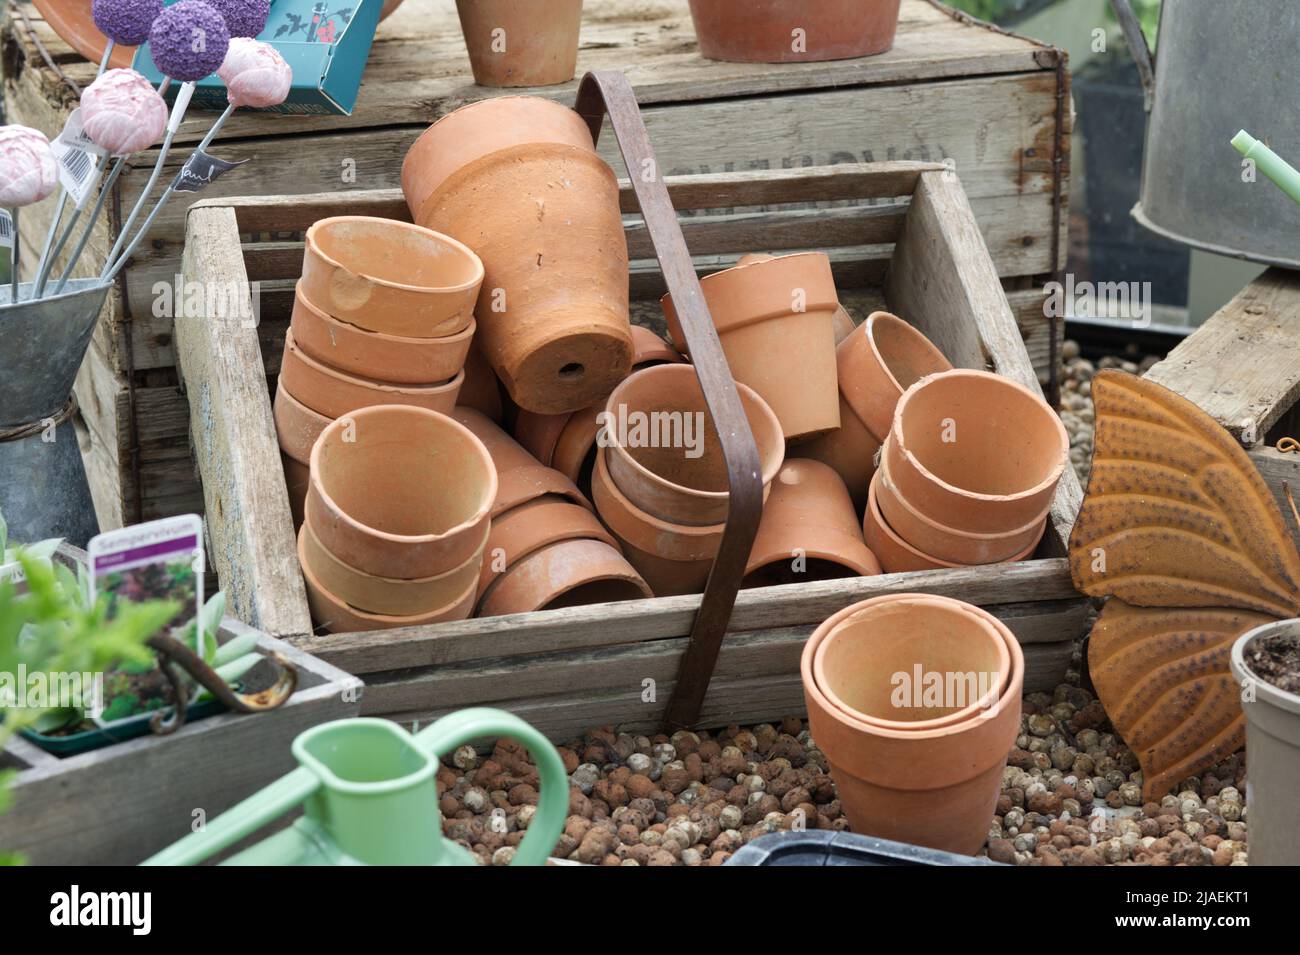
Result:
1219,68
43,487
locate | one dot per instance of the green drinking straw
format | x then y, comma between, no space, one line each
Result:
1285,175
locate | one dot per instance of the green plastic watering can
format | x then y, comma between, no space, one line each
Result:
369,793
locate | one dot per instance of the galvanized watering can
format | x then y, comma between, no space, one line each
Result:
370,797
43,489
1219,68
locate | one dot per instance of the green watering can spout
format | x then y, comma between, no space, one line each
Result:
369,794
1286,176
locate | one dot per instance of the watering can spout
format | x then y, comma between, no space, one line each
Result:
1286,176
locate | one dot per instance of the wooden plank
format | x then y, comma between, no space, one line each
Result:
943,280
1242,367
249,527
1280,471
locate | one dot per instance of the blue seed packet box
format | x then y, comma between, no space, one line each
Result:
326,42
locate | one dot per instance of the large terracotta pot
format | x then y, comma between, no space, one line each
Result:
571,573
521,478
553,313
976,452
390,596
651,462
391,277
673,558
879,361
400,492
794,31
808,519
521,42
947,543
533,525
775,319
334,393
934,787
357,351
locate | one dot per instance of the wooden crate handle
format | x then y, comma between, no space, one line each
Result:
608,93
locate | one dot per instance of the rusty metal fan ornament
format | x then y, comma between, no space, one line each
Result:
1181,533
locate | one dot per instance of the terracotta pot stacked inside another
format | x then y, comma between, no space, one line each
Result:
546,548
915,700
397,516
967,474
383,314
660,482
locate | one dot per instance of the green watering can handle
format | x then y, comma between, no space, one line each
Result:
466,726
285,794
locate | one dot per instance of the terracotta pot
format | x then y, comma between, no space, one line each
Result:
334,393
539,433
387,595
521,478
787,356
296,480
673,558
850,449
878,362
533,525
356,351
400,492
808,516
794,31
976,452
390,6
75,25
392,277
334,615
482,128
667,481
842,320
480,390
553,314
521,42
933,787
947,543
296,426
859,650
570,573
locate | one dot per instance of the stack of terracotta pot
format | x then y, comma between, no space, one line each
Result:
660,482
397,517
546,549
967,474
517,179
915,700
383,314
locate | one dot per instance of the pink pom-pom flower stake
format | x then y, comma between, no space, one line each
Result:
255,74
122,113
28,173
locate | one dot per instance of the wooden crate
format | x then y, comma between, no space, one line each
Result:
1242,367
997,106
121,804
903,235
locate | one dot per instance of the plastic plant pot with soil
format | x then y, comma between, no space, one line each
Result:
1266,662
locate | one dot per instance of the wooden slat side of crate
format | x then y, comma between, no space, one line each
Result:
120,804
936,273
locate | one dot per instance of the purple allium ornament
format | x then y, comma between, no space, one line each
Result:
188,40
125,21
243,17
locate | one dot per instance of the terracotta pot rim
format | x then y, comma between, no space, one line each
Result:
896,432
915,336
406,581
385,621
580,579
1008,695
374,384
639,529
736,273
596,531
463,250
455,338
770,467
1003,637
480,514
647,346
484,104
831,554
302,409
873,511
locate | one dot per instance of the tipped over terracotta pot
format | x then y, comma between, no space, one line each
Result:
533,525
850,450
572,573
521,477
809,530
907,761
390,277
976,452
879,361
775,319
521,42
794,31
480,390
664,452
296,427
400,492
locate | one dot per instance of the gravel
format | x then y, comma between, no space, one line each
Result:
1076,397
